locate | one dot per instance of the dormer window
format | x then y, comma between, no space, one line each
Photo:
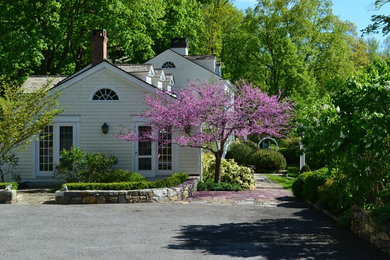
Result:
105,94
168,65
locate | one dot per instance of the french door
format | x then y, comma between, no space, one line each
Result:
145,158
152,158
52,140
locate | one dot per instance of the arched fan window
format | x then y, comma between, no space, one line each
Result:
105,94
168,65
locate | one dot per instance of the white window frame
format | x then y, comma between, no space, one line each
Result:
105,101
137,121
56,123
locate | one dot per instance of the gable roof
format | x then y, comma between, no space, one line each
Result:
186,57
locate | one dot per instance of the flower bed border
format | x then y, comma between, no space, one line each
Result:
179,192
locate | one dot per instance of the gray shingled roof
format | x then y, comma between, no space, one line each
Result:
129,68
200,57
36,82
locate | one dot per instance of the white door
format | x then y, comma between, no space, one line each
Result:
57,137
145,158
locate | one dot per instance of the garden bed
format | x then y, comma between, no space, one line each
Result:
179,192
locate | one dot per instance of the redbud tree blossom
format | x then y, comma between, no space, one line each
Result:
206,115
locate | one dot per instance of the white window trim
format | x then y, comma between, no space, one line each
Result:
168,61
56,123
137,121
105,101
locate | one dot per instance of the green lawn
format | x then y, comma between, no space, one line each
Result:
286,182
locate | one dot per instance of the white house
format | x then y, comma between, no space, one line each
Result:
109,95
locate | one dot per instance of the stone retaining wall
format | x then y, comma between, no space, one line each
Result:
180,192
7,196
363,226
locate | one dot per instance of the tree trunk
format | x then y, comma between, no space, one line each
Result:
2,175
217,175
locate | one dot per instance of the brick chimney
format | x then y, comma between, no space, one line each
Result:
180,45
99,46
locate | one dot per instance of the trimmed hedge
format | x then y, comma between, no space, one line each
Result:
171,181
335,194
240,152
122,176
222,186
268,160
297,186
307,184
15,185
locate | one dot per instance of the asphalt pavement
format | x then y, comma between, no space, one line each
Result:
291,229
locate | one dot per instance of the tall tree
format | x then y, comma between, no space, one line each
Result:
293,45
53,36
220,18
380,22
182,18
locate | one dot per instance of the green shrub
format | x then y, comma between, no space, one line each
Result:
297,186
345,218
268,160
384,196
171,181
120,175
289,147
222,186
381,216
240,152
305,168
231,172
335,195
15,185
80,166
313,181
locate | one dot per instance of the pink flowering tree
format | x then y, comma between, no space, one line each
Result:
206,115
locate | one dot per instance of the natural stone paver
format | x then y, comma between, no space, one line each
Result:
35,196
267,193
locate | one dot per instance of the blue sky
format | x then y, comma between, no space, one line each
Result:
357,11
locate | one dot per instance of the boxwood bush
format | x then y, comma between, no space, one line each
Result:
120,175
240,151
307,184
335,194
313,181
222,186
171,181
297,186
231,172
15,185
268,160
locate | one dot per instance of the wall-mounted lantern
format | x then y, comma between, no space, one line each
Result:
105,128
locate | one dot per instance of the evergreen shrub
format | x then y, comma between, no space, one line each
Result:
268,160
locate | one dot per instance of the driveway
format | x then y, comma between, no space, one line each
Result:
290,229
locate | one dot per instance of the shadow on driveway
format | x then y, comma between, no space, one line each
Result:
301,233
